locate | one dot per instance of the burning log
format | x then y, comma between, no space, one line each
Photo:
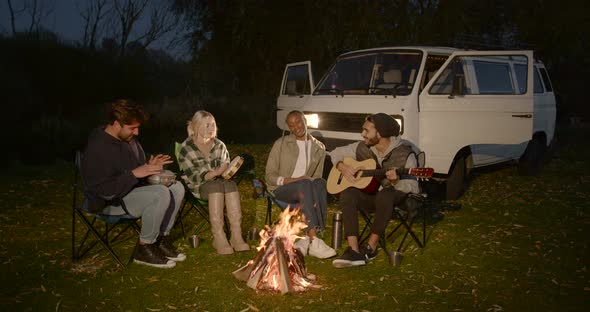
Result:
284,281
278,265
243,273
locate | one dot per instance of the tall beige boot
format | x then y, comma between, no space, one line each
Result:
234,214
216,218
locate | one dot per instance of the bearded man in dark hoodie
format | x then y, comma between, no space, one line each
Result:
115,167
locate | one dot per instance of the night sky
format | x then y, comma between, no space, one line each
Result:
65,21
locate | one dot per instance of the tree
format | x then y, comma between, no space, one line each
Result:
93,14
13,13
37,11
129,12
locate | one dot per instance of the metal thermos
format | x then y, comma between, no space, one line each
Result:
337,230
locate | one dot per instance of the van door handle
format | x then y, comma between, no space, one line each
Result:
523,116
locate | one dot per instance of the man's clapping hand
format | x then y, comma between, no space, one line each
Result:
146,170
159,160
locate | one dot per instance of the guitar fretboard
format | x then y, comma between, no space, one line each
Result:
381,172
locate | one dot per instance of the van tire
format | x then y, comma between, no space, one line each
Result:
457,181
530,162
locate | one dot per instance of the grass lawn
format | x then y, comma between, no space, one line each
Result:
517,244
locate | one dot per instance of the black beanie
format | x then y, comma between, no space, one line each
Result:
385,124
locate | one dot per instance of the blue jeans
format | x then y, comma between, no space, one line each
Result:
311,196
151,203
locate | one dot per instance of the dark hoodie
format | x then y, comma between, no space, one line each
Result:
107,166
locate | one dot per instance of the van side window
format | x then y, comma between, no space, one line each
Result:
433,63
485,74
538,86
494,78
521,74
297,81
453,72
546,80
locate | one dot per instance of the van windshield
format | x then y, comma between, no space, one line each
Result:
382,73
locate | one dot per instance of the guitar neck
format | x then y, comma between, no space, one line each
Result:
381,172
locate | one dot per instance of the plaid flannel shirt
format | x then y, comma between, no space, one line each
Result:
194,164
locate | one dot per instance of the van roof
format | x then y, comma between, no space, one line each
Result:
429,49
424,49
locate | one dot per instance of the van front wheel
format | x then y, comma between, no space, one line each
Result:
457,180
530,162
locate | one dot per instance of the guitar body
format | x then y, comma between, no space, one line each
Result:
337,183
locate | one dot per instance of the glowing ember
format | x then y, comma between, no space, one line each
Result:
277,264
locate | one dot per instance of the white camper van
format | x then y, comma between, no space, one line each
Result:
464,108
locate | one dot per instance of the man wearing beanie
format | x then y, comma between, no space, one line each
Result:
382,143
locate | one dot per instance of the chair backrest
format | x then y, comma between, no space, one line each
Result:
89,199
78,179
421,157
392,76
177,151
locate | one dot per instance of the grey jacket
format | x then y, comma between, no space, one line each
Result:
283,157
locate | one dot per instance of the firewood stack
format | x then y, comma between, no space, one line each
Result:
276,267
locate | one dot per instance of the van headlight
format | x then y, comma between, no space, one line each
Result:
313,120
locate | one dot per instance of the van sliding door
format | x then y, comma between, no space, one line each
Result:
477,99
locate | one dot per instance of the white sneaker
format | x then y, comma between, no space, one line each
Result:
319,249
303,245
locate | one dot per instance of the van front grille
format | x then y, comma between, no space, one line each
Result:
344,122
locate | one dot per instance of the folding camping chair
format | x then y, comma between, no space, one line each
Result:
201,205
414,205
270,200
191,201
112,223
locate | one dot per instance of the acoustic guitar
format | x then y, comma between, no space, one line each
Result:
367,177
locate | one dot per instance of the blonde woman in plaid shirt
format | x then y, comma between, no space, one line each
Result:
203,158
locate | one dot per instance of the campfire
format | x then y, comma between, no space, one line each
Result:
278,266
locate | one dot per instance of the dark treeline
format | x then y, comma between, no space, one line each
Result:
53,93
241,46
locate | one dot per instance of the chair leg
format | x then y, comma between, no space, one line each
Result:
186,209
408,227
383,243
100,240
133,253
268,218
82,247
180,217
204,214
368,223
73,234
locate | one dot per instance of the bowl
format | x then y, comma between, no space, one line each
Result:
166,177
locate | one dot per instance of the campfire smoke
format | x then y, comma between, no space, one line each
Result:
277,265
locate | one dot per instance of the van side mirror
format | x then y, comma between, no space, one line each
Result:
458,83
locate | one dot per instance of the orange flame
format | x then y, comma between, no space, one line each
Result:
286,229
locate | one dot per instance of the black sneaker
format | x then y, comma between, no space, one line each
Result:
348,259
168,250
368,252
150,254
